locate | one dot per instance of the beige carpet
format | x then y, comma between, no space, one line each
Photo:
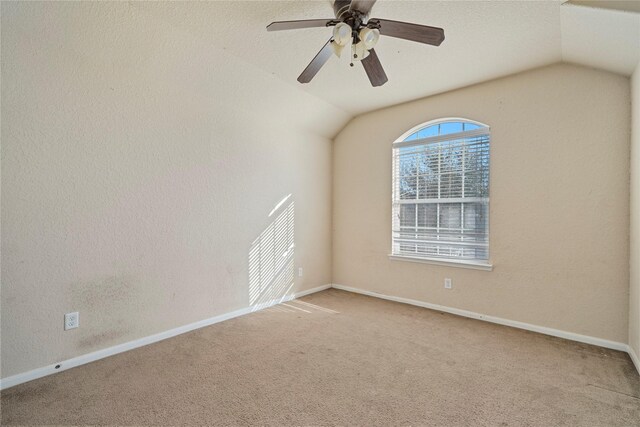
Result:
340,358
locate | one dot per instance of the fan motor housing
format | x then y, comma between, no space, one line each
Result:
341,8
354,18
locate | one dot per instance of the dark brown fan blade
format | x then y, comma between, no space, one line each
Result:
363,6
374,69
316,63
296,25
414,32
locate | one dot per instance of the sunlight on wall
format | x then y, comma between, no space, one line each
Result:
271,260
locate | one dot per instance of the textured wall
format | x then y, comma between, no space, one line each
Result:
634,291
559,201
139,163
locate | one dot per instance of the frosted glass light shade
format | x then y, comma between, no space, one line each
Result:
342,34
369,36
360,51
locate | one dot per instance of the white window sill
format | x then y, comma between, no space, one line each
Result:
475,265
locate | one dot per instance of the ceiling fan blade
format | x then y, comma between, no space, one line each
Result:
363,6
316,63
374,69
296,25
414,32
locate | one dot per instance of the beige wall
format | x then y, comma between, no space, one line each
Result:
559,202
634,291
139,163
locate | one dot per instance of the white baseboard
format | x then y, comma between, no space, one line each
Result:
120,348
634,358
513,323
101,354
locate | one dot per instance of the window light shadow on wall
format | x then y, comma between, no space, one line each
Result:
271,257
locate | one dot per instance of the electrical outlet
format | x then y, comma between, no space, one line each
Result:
447,283
71,320
300,272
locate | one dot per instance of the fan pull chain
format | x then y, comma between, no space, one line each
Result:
353,53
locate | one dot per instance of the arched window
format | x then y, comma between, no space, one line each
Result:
441,193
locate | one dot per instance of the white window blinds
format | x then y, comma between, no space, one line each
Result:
441,193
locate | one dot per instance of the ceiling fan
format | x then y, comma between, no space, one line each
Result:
352,25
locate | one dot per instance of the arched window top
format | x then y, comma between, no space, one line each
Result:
441,127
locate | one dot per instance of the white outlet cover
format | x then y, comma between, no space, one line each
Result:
300,272
71,320
447,283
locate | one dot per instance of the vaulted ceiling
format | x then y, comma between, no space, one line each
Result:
484,40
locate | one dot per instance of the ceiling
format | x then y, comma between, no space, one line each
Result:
484,40
606,38
625,5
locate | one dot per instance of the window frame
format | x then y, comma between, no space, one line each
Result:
483,129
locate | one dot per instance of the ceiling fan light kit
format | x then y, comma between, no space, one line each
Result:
352,25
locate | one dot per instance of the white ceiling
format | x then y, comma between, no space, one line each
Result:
626,5
483,40
605,38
